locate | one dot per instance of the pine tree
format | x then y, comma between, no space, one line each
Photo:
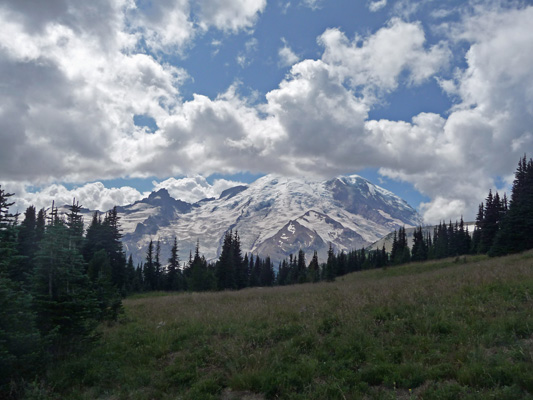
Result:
283,273
241,278
314,269
149,268
225,269
490,223
64,297
26,245
21,353
158,270
201,278
301,267
130,276
267,273
419,250
342,264
517,224
331,267
174,276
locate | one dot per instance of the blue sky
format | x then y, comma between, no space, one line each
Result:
108,100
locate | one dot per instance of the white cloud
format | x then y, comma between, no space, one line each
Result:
94,196
229,15
67,109
286,55
377,5
312,4
377,62
195,188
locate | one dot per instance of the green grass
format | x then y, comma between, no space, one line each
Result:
448,329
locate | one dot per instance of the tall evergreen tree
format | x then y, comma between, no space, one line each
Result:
64,297
267,273
27,244
158,268
314,269
149,268
174,275
301,267
331,267
419,250
517,224
225,269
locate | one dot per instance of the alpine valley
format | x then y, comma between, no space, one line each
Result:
274,216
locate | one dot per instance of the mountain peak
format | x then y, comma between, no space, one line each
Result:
274,215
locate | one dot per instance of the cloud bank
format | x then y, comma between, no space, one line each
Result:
77,78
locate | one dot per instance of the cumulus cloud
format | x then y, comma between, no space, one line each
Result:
287,57
76,81
195,188
229,15
488,129
377,5
94,196
376,63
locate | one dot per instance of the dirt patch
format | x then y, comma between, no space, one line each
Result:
229,394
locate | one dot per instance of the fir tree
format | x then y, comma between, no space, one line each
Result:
331,268
149,277
174,276
517,224
314,269
301,269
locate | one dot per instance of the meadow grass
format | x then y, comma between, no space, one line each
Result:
447,329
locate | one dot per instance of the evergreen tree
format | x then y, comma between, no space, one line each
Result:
255,279
314,269
342,264
201,278
63,294
267,273
21,354
26,245
517,224
158,270
225,269
283,273
149,268
241,276
400,251
113,246
419,250
490,223
301,269
174,276
131,276
331,267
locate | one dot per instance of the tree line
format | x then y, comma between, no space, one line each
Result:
58,282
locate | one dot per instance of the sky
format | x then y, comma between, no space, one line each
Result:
108,100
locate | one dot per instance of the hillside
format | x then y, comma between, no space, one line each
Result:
447,329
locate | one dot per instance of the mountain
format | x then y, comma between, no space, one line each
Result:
274,216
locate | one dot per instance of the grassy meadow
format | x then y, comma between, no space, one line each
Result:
447,329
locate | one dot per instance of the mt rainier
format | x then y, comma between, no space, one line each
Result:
274,216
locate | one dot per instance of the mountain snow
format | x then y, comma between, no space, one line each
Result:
274,216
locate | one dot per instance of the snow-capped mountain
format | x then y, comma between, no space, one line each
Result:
274,216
